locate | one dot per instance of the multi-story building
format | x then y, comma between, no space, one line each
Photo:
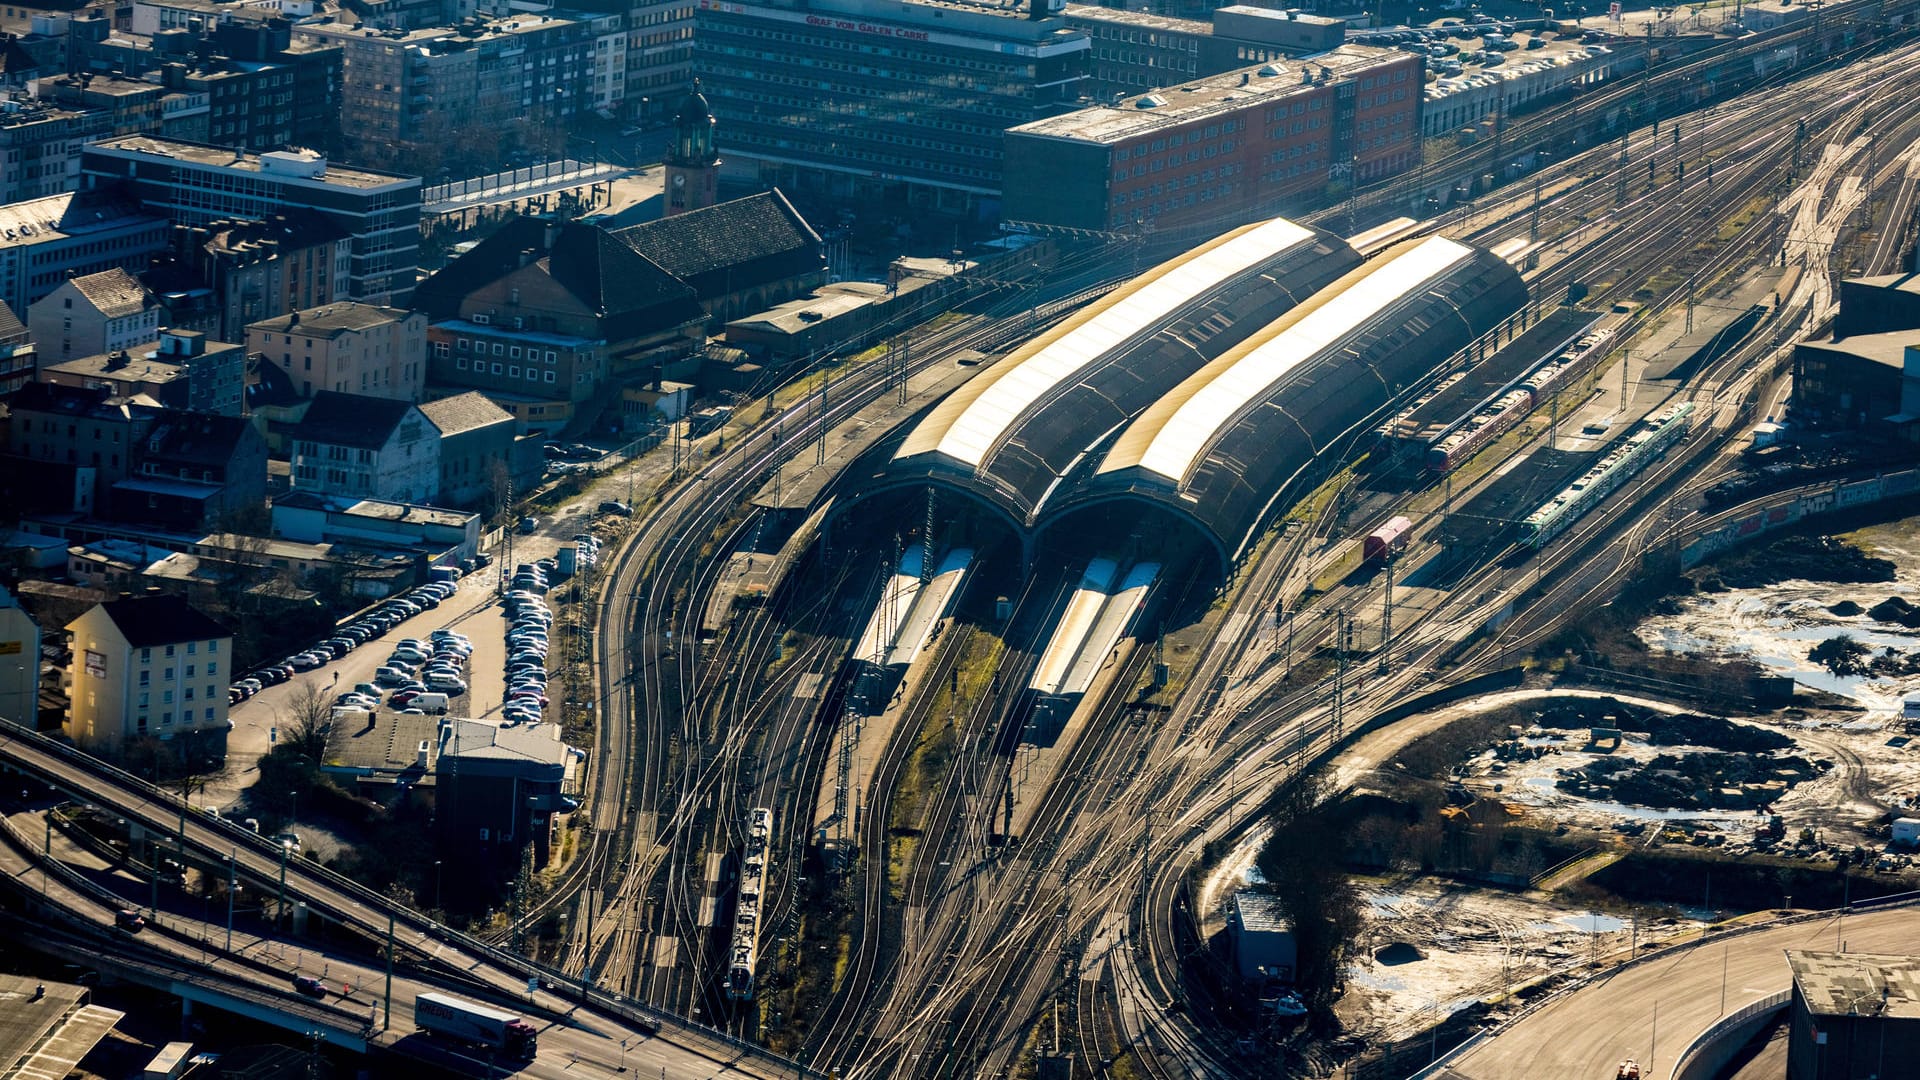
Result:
741,256
186,115
45,241
193,471
607,64
541,315
131,107
883,100
149,666
79,428
347,347
40,145
659,55
366,448
19,662
317,70
17,360
1137,51
422,86
100,313
222,277
476,448
1222,150
181,370
196,184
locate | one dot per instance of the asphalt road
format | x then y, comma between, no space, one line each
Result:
1585,1034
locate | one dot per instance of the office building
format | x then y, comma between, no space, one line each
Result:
196,184
1137,51
40,144
348,347
896,103
149,666
19,663
1223,150
43,242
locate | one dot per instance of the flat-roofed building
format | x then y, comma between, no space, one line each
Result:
45,241
1137,51
883,100
197,184
1221,150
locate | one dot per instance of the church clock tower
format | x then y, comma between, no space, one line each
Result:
692,166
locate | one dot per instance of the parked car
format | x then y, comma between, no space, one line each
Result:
528,525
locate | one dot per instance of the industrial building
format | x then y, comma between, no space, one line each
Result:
1222,149
898,103
1181,408
1867,378
1854,1016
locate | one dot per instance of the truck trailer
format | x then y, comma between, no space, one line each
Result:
463,1021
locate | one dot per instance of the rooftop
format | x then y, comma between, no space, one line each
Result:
1232,90
727,236
481,739
114,292
337,419
1909,283
390,744
1867,984
1144,19
1259,912
333,320
49,1036
1887,350
117,368
464,412
57,217
303,167
161,620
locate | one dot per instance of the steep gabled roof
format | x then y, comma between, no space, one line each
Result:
115,292
351,420
185,437
463,412
628,290
731,245
146,621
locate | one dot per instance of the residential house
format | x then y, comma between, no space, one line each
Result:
195,471
181,370
17,360
347,347
221,277
150,666
19,663
88,316
359,447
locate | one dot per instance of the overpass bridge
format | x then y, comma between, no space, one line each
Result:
579,1022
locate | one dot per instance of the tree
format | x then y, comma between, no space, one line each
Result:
304,722
1302,865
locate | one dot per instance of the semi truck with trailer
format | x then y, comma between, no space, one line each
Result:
461,1021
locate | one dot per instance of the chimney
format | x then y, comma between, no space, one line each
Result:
420,757
1038,9
293,320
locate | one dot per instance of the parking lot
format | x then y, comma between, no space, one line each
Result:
473,610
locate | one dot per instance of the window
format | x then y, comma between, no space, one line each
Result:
189,673
209,713
146,655
169,653
440,351
187,694
166,697
143,677
166,719
192,647
212,669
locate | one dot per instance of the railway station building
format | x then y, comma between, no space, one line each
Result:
1182,408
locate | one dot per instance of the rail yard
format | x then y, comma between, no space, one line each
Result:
951,792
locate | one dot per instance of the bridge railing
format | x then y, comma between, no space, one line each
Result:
1723,1027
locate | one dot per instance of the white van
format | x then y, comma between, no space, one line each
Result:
433,704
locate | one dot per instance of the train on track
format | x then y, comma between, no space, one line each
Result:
1458,442
755,861
1648,440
